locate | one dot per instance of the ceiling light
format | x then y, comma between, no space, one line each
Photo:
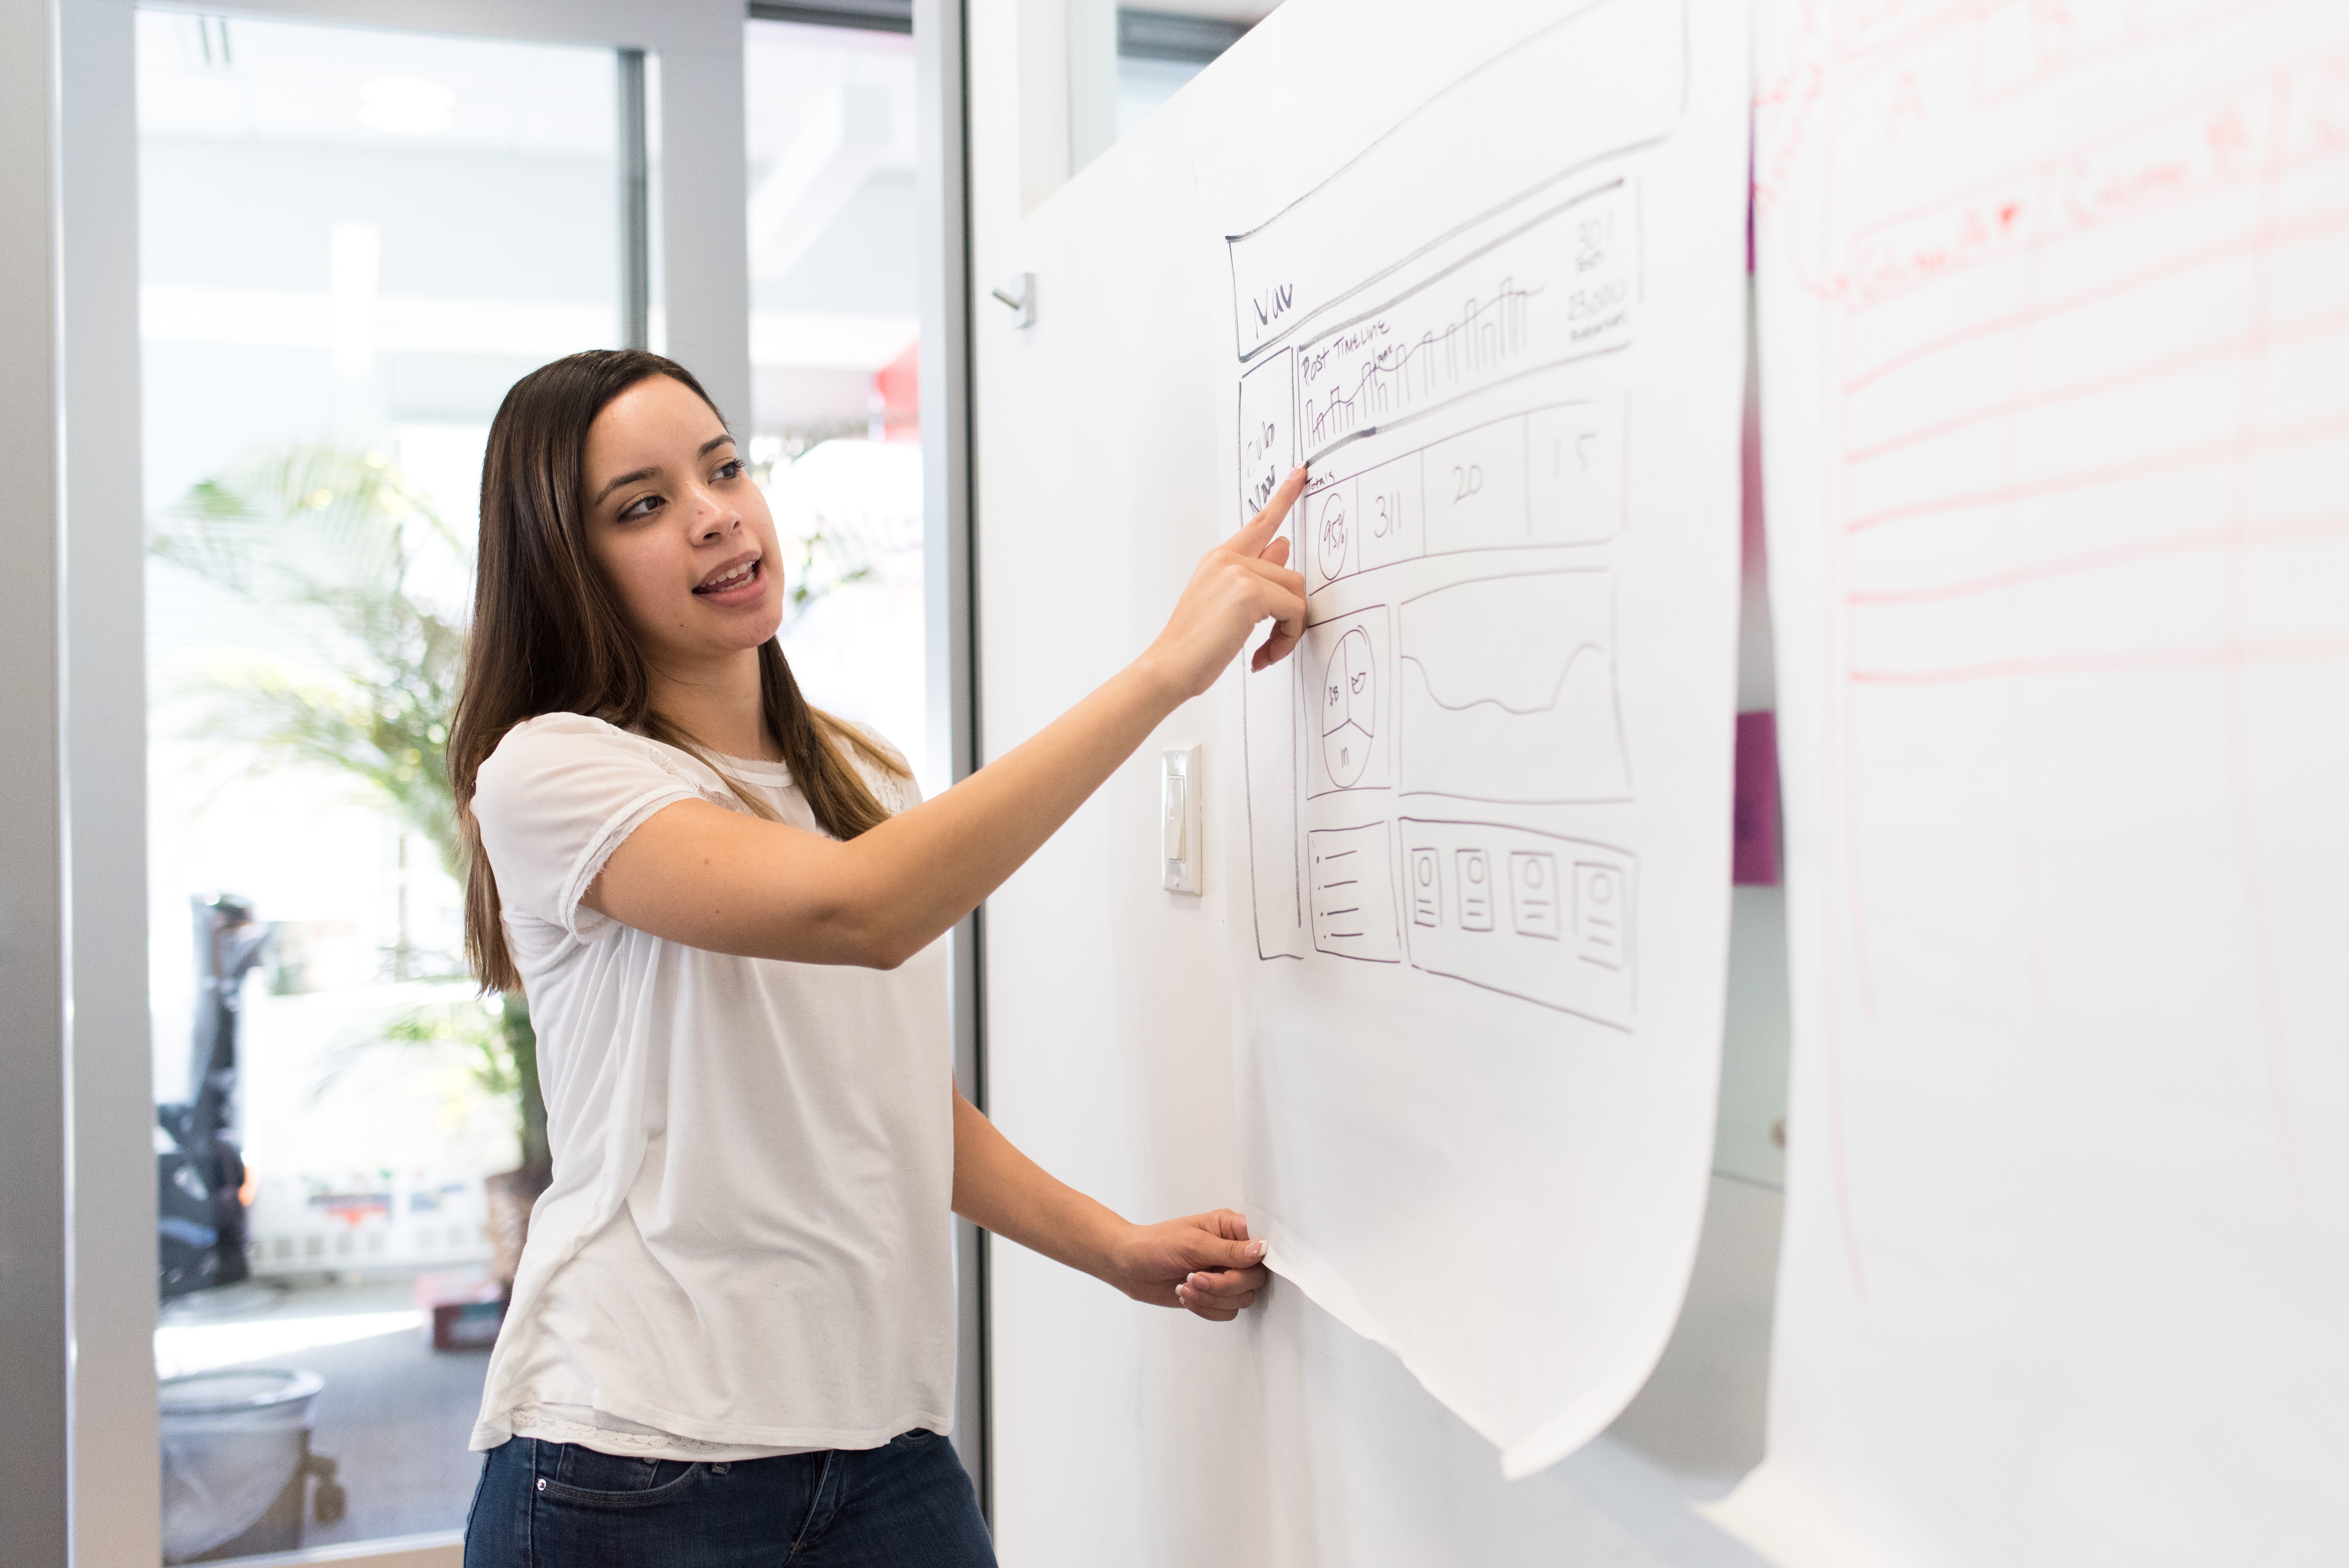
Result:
409,106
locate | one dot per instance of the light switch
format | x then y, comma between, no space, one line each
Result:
1178,819
1178,794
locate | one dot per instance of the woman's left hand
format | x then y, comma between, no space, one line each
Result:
1205,1263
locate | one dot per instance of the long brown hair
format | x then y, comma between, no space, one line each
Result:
549,635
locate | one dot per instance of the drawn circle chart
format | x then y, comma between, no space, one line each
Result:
1329,535
1349,706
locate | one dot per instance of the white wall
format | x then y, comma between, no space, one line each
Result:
1125,1435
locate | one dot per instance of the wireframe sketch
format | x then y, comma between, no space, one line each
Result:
1269,702
1268,430
1562,286
1539,917
1348,740
1330,545
1508,691
1350,878
1600,81
1550,476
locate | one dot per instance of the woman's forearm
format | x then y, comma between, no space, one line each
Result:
709,878
999,1189
924,869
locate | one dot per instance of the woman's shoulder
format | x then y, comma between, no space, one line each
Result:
565,742
552,739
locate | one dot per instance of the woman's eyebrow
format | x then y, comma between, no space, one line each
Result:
627,478
707,447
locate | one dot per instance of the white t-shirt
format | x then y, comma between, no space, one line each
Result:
746,1250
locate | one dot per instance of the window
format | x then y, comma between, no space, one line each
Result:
834,365
352,243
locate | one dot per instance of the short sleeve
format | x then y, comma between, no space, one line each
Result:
896,790
554,801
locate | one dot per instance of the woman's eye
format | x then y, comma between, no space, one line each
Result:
731,468
642,507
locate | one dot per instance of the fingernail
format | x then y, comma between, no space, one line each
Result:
1256,1249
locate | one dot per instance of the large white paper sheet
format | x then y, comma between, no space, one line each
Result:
2054,323
1486,277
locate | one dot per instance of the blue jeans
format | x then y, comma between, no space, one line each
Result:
907,1504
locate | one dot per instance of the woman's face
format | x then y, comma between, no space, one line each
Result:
681,533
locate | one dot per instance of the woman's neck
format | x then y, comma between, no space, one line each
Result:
720,705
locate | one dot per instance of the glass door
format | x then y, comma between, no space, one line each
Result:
353,242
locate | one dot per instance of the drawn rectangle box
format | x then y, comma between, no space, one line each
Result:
1328,535
1546,919
1505,691
1534,893
1561,287
1349,707
1550,477
1600,81
1350,878
1391,512
1477,490
1574,472
1272,737
1268,430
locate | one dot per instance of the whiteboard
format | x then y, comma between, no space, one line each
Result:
1484,274
2054,302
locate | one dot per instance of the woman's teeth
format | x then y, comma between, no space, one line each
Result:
735,579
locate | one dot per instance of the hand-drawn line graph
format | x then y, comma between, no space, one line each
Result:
1508,691
1550,476
1562,285
1534,916
1351,873
1343,661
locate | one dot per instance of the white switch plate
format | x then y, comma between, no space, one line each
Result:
1178,819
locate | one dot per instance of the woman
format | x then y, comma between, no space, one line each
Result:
731,1337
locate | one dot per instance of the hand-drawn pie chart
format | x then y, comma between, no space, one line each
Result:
1349,708
1329,534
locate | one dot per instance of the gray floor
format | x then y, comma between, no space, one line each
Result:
394,1417
394,1414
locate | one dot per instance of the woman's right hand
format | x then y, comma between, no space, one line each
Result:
1239,583
698,873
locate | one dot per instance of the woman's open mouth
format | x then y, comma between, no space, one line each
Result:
732,580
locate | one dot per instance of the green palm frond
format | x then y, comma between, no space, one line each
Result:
345,540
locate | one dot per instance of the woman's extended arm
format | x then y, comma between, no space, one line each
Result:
700,874
1203,1262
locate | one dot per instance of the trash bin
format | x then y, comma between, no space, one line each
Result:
232,1442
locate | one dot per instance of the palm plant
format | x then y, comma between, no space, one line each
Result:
344,545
